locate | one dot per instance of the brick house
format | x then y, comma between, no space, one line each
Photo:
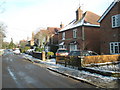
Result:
47,39
83,33
110,29
52,43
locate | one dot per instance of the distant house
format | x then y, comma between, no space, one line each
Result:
110,29
47,39
83,33
52,43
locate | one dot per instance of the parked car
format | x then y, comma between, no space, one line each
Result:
1,52
16,51
62,52
82,53
29,51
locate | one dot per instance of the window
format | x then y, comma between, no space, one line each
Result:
75,33
116,21
73,47
115,47
63,36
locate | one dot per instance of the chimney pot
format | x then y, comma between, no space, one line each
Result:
61,25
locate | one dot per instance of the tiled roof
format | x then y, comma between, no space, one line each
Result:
86,20
48,31
53,30
91,18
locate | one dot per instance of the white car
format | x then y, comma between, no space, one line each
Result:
17,51
1,52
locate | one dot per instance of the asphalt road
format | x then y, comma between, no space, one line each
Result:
20,73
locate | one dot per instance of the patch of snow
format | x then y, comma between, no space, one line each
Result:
107,68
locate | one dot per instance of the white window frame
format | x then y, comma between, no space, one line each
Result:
115,21
75,33
114,47
73,47
63,36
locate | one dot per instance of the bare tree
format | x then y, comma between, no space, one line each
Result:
2,33
41,37
2,3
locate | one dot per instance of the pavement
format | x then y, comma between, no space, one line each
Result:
81,75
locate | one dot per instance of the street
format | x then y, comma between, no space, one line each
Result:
20,73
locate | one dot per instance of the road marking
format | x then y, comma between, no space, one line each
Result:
11,73
14,78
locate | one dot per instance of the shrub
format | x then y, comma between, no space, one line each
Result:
24,49
50,53
39,49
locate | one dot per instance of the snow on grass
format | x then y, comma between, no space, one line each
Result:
109,68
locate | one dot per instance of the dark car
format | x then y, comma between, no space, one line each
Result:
82,53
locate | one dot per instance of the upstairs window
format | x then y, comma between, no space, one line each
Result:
116,21
63,36
75,33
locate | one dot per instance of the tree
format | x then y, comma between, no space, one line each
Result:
2,9
2,26
41,38
5,45
11,45
2,33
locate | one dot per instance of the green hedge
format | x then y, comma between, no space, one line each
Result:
39,49
23,50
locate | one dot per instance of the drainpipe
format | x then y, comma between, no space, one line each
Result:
83,37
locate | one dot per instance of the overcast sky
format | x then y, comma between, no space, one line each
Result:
24,16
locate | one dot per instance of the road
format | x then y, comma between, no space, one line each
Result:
20,73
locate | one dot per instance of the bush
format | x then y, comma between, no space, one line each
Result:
39,49
23,50
50,53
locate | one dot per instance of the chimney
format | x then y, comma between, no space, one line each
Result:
61,25
32,35
79,14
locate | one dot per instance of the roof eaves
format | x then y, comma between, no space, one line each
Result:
105,13
92,25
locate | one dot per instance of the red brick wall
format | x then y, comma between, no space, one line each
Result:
92,38
109,34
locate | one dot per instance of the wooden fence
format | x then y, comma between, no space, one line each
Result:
101,59
80,61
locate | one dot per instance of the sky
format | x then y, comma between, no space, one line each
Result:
23,17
